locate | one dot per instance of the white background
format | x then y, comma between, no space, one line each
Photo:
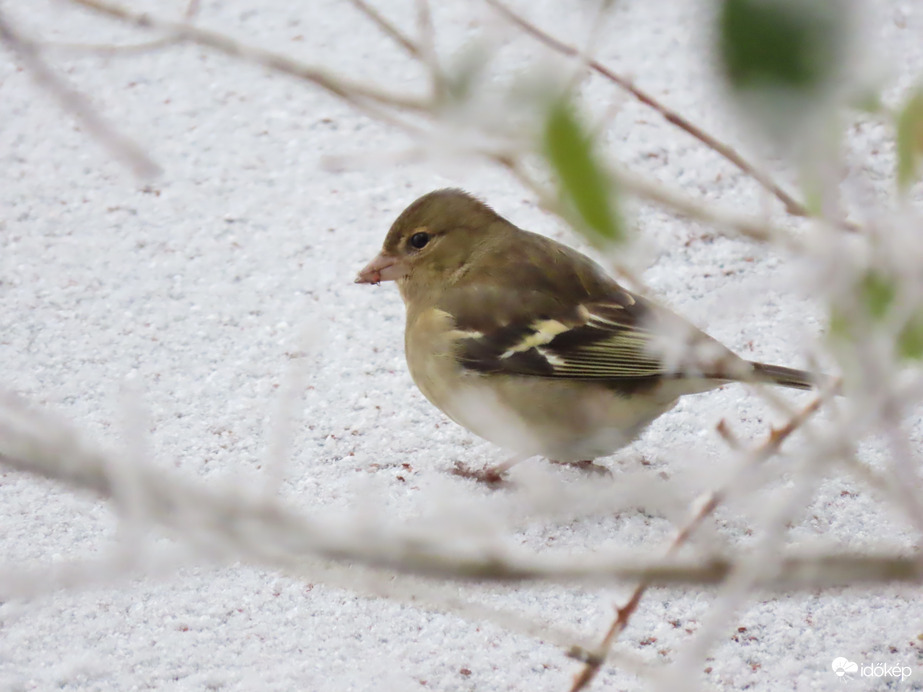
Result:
186,297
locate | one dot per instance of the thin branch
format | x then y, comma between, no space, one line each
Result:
247,528
387,28
657,193
242,525
427,45
684,206
792,205
593,660
904,465
76,103
192,9
352,92
742,581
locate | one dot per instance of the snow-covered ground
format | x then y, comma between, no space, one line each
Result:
164,319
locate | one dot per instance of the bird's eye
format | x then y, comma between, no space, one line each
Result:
418,240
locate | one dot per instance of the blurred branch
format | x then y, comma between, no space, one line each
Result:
428,52
672,201
792,205
76,103
355,93
905,466
192,9
387,27
684,206
593,660
370,99
236,525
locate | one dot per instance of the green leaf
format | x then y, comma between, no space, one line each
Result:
909,140
839,323
879,292
910,341
584,184
867,101
466,70
790,44
813,194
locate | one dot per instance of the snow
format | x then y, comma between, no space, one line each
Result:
164,320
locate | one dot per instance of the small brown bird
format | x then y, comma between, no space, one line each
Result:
530,344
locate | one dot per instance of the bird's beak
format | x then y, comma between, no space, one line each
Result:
384,267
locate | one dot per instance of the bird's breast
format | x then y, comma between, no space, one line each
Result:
554,417
429,348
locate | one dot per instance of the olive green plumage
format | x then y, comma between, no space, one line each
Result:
531,344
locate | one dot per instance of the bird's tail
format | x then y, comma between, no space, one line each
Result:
790,377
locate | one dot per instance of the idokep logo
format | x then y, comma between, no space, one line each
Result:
844,668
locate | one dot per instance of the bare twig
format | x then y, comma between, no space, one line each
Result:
387,27
792,205
241,525
192,9
247,528
355,93
593,660
672,201
76,103
427,45
682,205
730,439
904,466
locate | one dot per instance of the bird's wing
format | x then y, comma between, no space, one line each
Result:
578,325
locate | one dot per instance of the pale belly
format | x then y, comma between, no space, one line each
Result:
564,423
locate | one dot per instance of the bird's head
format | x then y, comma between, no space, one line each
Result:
432,241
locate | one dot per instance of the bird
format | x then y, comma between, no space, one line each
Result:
532,345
